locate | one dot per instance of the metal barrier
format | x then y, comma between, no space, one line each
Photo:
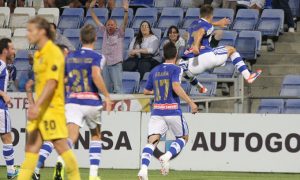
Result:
238,96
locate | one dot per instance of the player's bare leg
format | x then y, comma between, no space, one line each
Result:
8,153
238,62
147,153
33,145
95,152
174,150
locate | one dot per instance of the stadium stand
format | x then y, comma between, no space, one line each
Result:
118,15
101,13
4,16
228,38
5,33
19,39
20,17
160,4
246,19
143,14
271,106
71,18
290,86
220,13
169,17
51,14
192,14
248,44
130,82
143,3
271,22
292,106
129,35
157,33
143,83
74,36
295,7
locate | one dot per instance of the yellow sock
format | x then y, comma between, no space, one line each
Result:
28,166
71,165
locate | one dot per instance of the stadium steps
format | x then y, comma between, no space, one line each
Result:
275,65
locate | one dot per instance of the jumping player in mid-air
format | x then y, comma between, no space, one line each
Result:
164,83
200,57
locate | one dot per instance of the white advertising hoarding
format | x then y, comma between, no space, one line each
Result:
218,142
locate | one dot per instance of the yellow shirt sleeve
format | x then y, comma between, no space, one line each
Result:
54,66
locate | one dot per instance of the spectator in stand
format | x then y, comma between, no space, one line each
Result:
49,3
12,71
12,4
112,48
110,4
284,4
143,51
174,37
60,39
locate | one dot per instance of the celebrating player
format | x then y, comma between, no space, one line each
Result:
164,83
7,52
47,114
201,57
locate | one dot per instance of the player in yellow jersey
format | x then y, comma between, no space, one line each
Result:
47,115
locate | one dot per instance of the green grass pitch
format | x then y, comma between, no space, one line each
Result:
114,174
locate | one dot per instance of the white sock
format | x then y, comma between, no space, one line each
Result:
94,170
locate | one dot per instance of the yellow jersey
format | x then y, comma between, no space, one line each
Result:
49,64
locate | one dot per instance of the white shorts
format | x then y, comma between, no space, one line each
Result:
161,124
207,61
78,114
5,122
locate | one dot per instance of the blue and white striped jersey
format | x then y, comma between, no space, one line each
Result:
4,77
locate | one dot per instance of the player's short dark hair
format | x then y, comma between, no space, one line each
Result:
170,51
88,34
4,44
206,10
42,23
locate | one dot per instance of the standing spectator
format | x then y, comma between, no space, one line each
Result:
284,4
143,51
112,48
174,37
12,74
60,39
12,4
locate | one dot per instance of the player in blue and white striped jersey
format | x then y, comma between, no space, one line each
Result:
7,52
164,82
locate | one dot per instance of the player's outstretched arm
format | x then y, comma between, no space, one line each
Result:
222,23
99,82
94,16
181,93
125,20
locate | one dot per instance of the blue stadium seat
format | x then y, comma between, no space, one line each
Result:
186,4
118,3
74,36
144,14
271,22
295,7
118,15
71,18
226,71
292,106
246,19
271,106
220,13
160,4
169,17
192,14
290,86
228,38
101,13
186,86
22,55
143,82
157,33
248,44
129,35
211,86
130,82
142,3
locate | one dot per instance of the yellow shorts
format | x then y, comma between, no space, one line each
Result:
51,126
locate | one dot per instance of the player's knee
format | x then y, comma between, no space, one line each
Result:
230,49
154,139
